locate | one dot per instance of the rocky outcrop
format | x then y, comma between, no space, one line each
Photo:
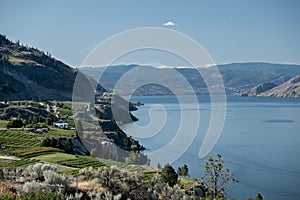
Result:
255,91
291,88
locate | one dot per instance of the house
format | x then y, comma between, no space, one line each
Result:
41,130
61,125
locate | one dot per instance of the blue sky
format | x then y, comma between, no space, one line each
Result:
230,30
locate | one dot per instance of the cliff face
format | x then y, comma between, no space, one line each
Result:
291,88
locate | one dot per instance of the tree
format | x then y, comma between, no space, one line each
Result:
158,166
15,123
48,121
35,119
69,146
259,197
183,171
215,178
169,175
179,171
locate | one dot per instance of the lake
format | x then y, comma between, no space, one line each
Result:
260,140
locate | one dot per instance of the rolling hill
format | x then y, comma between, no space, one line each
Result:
237,77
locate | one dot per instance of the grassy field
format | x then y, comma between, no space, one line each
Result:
65,111
27,147
16,163
69,160
58,132
3,123
55,157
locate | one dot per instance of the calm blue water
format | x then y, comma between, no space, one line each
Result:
260,141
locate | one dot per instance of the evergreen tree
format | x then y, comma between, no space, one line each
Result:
216,179
259,197
179,171
158,166
169,175
185,170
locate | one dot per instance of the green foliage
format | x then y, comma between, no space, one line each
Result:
81,162
169,175
34,151
259,197
37,171
54,178
18,163
3,123
17,140
183,171
46,179
215,178
1,175
65,111
15,123
50,142
34,187
49,121
32,196
161,190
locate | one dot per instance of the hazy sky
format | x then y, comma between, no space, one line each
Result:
230,30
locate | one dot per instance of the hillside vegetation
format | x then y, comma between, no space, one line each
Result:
29,73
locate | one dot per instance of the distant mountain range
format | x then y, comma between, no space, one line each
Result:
28,73
237,77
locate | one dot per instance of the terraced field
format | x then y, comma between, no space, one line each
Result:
27,147
4,163
70,160
18,139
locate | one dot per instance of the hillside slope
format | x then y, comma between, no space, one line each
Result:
28,73
291,88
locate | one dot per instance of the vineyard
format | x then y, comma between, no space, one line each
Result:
27,148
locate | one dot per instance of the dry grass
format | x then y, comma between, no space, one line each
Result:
88,186
8,188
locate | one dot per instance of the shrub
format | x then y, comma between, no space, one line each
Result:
87,173
54,178
35,187
37,170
